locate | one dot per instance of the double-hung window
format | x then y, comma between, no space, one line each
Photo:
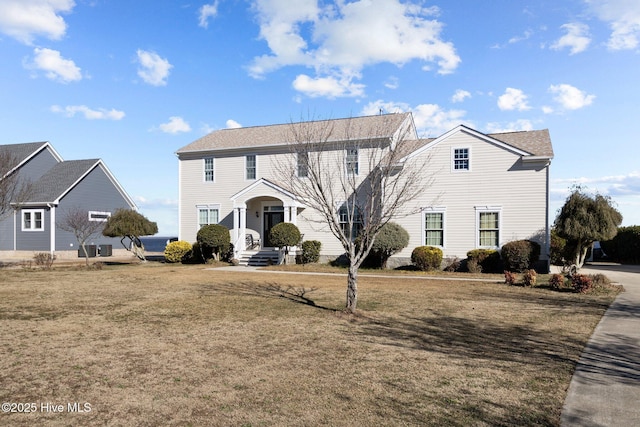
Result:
434,227
352,161
488,227
303,165
33,220
350,219
208,215
461,159
251,166
208,169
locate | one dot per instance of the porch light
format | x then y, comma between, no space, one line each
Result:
257,214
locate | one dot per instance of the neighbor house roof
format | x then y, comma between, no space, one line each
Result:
59,179
23,152
369,127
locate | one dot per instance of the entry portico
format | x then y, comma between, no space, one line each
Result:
256,209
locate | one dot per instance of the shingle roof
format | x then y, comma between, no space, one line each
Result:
21,151
536,142
55,182
381,126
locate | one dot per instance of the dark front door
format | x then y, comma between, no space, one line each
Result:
270,220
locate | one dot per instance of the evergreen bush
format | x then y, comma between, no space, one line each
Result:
391,239
176,251
487,259
427,258
310,251
625,246
520,255
213,240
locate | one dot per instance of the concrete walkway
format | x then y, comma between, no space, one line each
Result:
605,388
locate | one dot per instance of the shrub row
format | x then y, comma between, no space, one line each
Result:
625,246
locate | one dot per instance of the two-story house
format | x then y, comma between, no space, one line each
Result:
484,189
56,188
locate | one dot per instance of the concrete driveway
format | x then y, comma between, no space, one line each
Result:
605,388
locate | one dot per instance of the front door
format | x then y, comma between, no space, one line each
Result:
271,219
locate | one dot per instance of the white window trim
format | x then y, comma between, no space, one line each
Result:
453,159
434,209
32,212
93,214
204,169
346,163
211,206
483,209
246,167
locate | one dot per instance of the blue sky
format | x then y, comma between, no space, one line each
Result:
133,81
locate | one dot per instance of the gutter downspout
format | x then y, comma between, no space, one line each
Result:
547,225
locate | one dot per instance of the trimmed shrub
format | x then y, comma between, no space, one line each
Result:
452,264
581,283
557,249
520,255
530,277
556,281
176,251
510,278
310,251
214,240
427,258
391,239
488,261
284,234
625,246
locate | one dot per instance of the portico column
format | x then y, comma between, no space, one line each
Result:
286,214
294,215
243,227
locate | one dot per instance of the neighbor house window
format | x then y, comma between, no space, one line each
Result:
33,220
99,216
251,166
488,228
352,161
208,169
434,227
208,215
461,158
303,165
345,213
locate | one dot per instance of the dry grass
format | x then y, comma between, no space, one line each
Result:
179,345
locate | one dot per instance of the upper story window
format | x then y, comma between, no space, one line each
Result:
461,159
303,165
352,219
208,169
434,227
251,166
208,215
488,227
33,220
352,161
99,216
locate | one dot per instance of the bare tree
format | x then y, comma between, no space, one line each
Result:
355,176
78,222
13,191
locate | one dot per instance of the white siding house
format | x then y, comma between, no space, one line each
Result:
485,189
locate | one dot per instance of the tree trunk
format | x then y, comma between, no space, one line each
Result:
581,255
86,255
352,288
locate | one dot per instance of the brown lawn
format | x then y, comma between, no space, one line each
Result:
160,344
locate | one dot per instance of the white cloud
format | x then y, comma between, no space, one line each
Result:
175,125
341,39
430,119
623,17
329,87
25,19
513,99
571,98
392,83
576,38
153,69
205,12
55,66
89,114
517,126
232,124
460,96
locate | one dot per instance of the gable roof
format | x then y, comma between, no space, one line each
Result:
535,142
64,176
355,128
21,153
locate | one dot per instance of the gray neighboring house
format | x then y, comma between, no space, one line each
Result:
58,187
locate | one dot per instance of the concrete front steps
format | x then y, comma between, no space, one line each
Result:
259,258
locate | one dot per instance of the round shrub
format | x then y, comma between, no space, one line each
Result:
176,251
284,234
391,239
487,260
427,258
520,255
310,251
214,239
